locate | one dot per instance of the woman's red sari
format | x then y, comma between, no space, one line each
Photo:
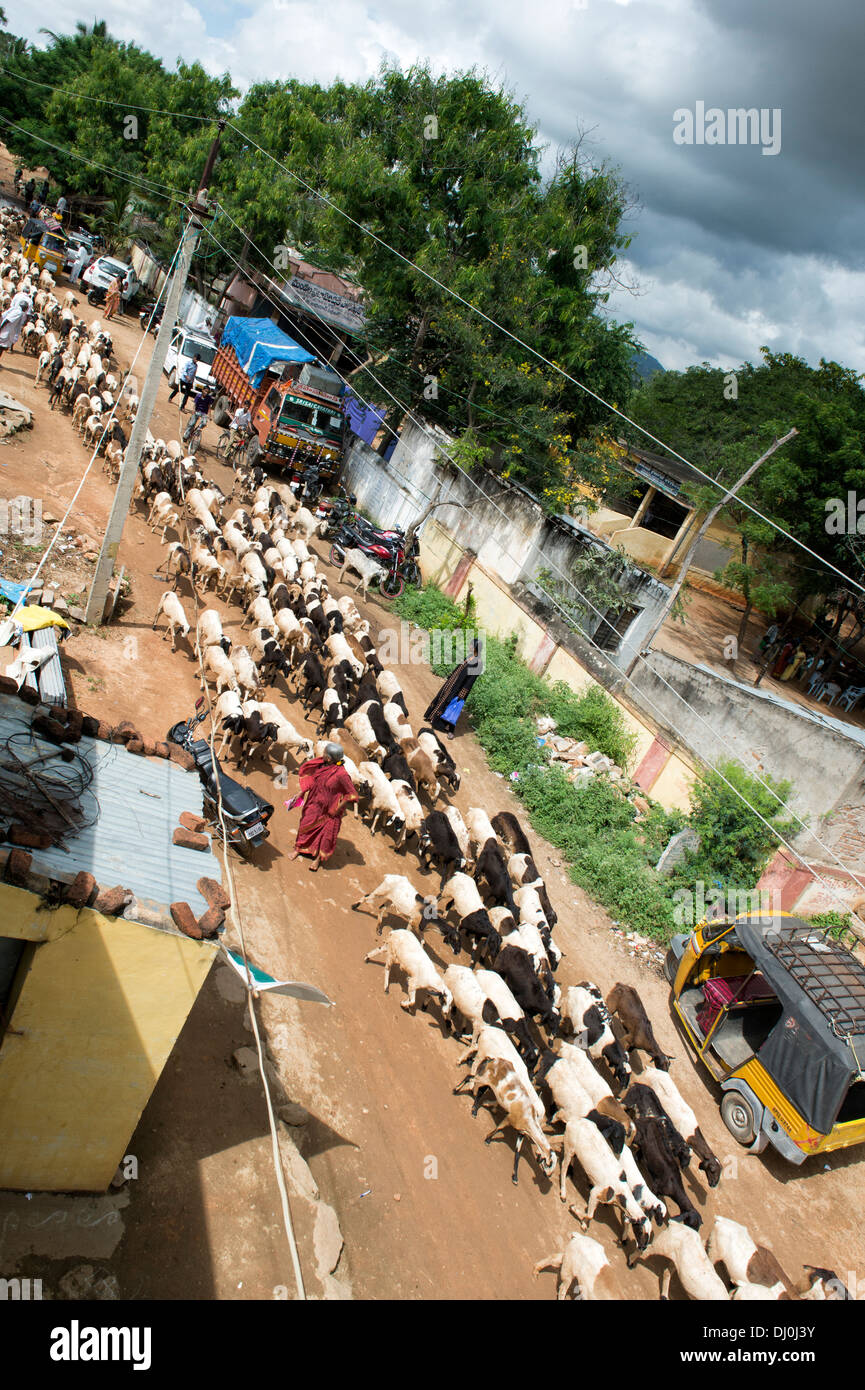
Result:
328,791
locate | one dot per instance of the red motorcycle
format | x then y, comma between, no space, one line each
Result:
388,548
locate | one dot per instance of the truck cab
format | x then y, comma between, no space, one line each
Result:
299,422
296,402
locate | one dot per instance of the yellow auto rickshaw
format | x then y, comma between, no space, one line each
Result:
44,246
774,1009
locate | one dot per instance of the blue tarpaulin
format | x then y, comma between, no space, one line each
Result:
9,589
364,420
258,342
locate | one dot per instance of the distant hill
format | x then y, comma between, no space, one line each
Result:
644,365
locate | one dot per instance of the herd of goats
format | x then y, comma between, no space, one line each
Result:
548,1058
74,358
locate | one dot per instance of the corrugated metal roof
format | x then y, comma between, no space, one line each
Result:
135,804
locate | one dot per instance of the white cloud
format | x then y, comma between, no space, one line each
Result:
733,250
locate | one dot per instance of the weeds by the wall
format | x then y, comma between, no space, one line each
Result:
609,853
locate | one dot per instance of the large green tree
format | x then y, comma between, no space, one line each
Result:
446,170
722,421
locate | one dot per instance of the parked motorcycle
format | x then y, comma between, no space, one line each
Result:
387,548
96,296
338,512
245,813
151,317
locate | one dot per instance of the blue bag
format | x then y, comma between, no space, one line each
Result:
452,713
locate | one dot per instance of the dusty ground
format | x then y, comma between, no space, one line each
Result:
709,622
426,1209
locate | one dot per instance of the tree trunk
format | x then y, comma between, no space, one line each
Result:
428,511
469,399
389,424
834,631
740,637
419,338
746,592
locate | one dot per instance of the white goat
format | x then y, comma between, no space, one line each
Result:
403,948
584,1263
397,894
171,609
384,803
361,564
683,1247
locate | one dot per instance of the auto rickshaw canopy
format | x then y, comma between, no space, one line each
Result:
815,1049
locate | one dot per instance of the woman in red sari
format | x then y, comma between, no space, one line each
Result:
327,790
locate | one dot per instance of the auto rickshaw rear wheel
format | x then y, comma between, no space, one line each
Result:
739,1117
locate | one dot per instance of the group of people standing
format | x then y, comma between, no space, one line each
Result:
790,658
786,655
35,195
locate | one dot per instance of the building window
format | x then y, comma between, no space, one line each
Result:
611,630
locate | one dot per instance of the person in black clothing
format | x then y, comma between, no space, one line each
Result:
42,192
201,409
456,687
29,189
185,382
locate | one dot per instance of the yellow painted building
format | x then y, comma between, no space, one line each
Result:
656,524
95,1007
91,1004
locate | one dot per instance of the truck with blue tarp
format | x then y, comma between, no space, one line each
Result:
296,403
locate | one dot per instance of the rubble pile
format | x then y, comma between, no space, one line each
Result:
638,947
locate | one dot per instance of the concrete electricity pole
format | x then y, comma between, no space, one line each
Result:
689,555
95,612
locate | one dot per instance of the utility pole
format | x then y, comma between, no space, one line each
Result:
709,518
95,612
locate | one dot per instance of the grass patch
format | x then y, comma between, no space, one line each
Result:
592,824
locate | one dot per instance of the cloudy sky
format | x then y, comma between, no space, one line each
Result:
733,248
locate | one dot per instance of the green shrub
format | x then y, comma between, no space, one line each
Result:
735,844
838,925
591,823
596,719
428,607
510,743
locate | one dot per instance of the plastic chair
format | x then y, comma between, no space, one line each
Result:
815,682
832,689
851,697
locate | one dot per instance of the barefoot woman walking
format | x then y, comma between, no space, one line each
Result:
327,790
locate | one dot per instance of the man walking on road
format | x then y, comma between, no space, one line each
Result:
82,260
185,383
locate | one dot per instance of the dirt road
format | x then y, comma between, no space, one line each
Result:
427,1210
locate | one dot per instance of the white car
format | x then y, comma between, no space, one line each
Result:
101,272
186,344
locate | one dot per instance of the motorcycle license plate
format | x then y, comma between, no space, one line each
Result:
257,829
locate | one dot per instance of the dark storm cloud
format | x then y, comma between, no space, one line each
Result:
733,248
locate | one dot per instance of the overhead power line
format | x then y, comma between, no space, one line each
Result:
664,718
473,308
